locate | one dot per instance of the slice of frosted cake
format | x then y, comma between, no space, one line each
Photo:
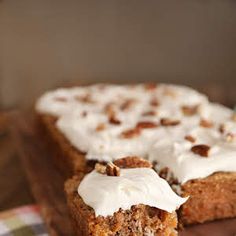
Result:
122,201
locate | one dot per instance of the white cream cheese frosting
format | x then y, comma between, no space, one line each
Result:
64,100
174,150
107,194
84,121
107,145
175,153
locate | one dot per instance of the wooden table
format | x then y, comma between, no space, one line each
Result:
14,186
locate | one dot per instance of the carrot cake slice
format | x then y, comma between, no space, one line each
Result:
122,201
199,160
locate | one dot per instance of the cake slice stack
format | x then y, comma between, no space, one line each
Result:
122,201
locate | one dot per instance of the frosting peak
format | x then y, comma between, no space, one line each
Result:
132,187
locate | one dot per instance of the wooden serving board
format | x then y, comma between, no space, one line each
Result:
47,184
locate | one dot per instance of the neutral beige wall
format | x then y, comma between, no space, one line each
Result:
44,43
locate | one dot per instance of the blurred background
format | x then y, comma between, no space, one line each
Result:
48,43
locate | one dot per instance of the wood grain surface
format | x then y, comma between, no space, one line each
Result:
47,184
14,186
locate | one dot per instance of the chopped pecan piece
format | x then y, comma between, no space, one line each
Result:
206,123
154,102
131,133
221,128
100,168
100,127
84,98
146,125
169,122
190,110
190,138
149,113
150,86
112,170
109,109
60,99
164,172
127,104
132,162
201,149
113,120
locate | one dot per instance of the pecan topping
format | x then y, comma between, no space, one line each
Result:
100,127
169,122
112,170
84,98
100,168
149,113
113,120
201,149
132,162
131,133
154,102
109,109
206,123
146,125
60,99
127,104
164,172
190,110
190,138
221,128
150,86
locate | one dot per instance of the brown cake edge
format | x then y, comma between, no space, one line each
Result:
139,218
67,158
211,198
